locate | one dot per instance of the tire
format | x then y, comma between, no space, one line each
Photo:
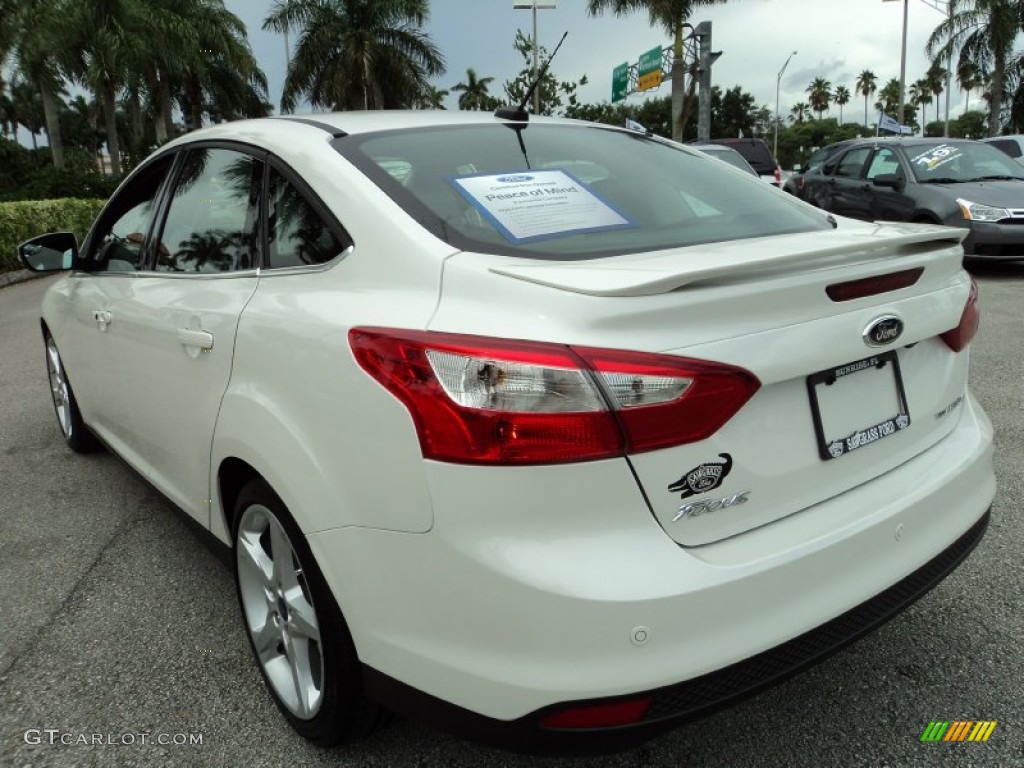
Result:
69,418
299,638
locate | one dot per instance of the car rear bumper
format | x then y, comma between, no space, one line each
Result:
995,241
682,702
531,588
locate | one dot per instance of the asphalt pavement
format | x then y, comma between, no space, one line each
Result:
120,635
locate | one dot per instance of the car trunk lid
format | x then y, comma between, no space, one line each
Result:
833,411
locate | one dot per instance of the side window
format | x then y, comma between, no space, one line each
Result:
851,163
1009,146
211,224
884,161
118,245
298,235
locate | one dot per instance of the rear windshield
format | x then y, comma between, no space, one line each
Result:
726,155
754,152
568,192
1009,146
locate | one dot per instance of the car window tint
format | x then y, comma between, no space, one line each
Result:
851,163
567,191
118,244
884,161
817,159
298,234
211,223
959,160
1009,146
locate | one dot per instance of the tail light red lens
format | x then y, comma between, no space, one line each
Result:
959,337
478,400
599,715
872,286
713,394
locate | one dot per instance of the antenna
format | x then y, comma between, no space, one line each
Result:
519,114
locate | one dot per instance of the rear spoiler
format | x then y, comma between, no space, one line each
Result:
650,274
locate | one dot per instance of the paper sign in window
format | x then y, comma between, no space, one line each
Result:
536,205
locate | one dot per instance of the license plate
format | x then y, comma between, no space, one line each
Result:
857,404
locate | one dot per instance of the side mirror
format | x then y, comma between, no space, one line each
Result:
52,252
891,180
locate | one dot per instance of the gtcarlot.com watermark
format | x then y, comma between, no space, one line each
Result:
37,736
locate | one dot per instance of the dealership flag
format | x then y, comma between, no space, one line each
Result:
886,123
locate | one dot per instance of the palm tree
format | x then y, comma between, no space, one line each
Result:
473,92
920,96
36,53
8,120
889,97
983,33
28,106
671,16
79,123
110,39
969,77
799,111
936,78
225,79
356,54
206,60
866,85
842,98
819,93
431,98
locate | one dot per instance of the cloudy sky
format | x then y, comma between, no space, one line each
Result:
835,39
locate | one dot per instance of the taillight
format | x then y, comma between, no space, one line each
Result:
478,400
778,175
961,336
608,715
661,400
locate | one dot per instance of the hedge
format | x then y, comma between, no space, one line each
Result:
24,219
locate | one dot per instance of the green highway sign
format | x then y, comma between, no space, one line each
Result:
620,82
649,69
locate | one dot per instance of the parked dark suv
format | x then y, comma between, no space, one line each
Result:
795,183
757,153
957,182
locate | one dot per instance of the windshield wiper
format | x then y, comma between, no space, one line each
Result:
942,180
997,177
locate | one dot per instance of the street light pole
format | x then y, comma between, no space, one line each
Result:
903,68
533,5
949,71
903,63
778,85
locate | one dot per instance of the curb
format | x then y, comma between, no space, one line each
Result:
19,276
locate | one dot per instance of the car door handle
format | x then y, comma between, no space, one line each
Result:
198,339
102,318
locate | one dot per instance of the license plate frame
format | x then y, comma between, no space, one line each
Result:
833,446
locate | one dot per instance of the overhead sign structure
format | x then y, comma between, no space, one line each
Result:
649,70
620,82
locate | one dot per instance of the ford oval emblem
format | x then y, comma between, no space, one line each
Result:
514,179
883,330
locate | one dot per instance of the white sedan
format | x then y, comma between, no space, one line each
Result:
550,433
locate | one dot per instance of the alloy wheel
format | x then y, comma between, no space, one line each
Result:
279,612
